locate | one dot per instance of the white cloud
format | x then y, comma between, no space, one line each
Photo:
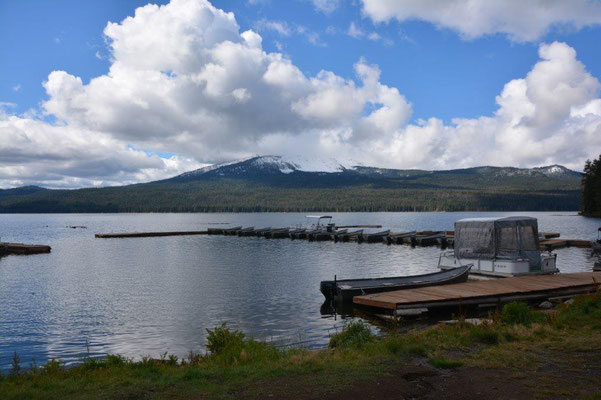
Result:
17,87
519,20
33,151
278,26
326,6
183,80
284,29
550,116
356,32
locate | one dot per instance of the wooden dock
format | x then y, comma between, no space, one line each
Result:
552,244
147,234
419,239
23,249
524,288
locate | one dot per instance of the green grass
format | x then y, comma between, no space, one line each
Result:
238,366
445,363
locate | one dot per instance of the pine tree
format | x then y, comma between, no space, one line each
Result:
591,188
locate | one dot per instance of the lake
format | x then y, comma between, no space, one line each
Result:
146,296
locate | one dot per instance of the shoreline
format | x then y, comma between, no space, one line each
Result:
518,352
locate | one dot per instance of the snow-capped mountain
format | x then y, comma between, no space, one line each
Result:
273,165
321,172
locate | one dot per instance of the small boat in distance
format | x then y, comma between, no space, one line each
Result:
429,240
344,290
232,231
399,238
341,236
373,237
250,231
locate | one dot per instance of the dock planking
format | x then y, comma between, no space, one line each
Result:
147,234
551,244
532,287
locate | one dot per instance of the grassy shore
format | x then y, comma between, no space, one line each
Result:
518,353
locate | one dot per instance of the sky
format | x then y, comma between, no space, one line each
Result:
111,92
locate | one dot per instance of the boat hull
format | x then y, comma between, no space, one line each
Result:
499,267
344,290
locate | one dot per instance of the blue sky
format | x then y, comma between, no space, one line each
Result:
439,69
441,74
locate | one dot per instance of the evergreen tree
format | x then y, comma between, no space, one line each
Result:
591,188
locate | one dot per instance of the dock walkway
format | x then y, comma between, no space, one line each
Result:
532,287
147,234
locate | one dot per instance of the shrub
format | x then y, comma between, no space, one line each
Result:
354,334
520,313
222,337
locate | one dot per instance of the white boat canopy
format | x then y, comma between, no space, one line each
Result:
509,238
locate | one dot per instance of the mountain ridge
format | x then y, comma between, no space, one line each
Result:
275,183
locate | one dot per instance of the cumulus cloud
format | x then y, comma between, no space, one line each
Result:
520,20
183,80
550,116
33,151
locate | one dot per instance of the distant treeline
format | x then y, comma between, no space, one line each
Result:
591,188
241,196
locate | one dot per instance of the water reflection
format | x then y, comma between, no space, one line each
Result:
146,296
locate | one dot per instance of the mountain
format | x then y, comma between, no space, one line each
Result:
277,183
282,171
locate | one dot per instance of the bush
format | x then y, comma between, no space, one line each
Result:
520,313
354,334
221,338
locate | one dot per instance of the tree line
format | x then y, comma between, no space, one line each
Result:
591,188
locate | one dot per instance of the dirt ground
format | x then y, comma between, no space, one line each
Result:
557,376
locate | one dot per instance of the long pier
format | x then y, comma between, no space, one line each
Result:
23,249
551,240
148,234
522,288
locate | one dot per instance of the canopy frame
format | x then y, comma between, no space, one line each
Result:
508,238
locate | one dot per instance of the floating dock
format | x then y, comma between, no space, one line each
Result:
147,234
551,244
474,293
23,249
422,238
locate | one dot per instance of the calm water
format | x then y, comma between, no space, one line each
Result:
146,296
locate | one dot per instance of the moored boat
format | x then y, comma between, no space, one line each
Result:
261,231
298,233
346,236
278,233
232,231
377,237
501,247
250,231
399,238
344,290
429,240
